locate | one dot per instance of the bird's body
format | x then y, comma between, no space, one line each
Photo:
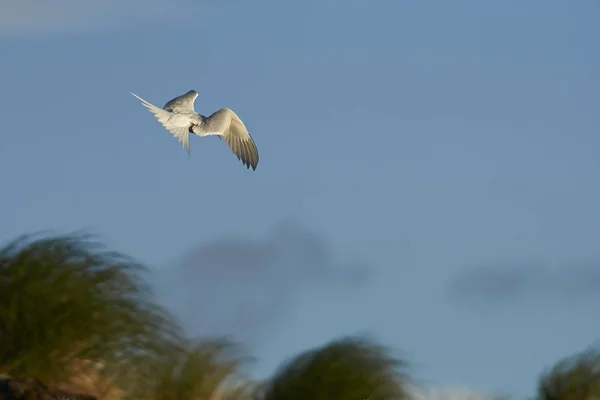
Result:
180,118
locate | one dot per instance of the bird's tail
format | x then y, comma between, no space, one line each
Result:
182,134
146,104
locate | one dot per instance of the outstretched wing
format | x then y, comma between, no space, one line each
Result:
226,123
178,125
183,103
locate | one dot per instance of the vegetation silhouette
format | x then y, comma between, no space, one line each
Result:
574,378
347,368
200,370
65,299
70,309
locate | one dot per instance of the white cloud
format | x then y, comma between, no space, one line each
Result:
40,17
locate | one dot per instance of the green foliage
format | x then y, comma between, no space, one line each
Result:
199,371
65,298
345,369
574,378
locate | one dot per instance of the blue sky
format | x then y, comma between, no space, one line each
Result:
416,140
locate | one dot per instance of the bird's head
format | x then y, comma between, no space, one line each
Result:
192,92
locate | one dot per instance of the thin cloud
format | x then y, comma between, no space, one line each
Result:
497,285
245,288
41,17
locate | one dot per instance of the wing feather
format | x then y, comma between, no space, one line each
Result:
177,125
227,124
183,103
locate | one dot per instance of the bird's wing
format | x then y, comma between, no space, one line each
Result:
226,123
178,125
183,103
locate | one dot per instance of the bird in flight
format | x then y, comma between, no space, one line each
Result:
180,118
